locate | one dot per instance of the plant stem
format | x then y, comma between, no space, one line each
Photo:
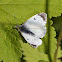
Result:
58,42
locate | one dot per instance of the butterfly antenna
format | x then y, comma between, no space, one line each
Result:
10,23
15,18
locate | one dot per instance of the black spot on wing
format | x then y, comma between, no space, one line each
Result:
24,29
39,38
34,19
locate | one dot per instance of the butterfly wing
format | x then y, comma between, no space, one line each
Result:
34,29
36,24
32,40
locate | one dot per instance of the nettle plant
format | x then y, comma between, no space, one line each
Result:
13,47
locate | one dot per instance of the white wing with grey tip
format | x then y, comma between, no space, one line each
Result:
34,29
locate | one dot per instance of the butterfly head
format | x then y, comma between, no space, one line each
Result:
17,27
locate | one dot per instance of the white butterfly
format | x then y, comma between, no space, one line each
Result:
34,29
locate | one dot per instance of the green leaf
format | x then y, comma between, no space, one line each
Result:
57,23
32,54
59,55
42,61
10,48
24,9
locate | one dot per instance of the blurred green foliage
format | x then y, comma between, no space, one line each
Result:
57,23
